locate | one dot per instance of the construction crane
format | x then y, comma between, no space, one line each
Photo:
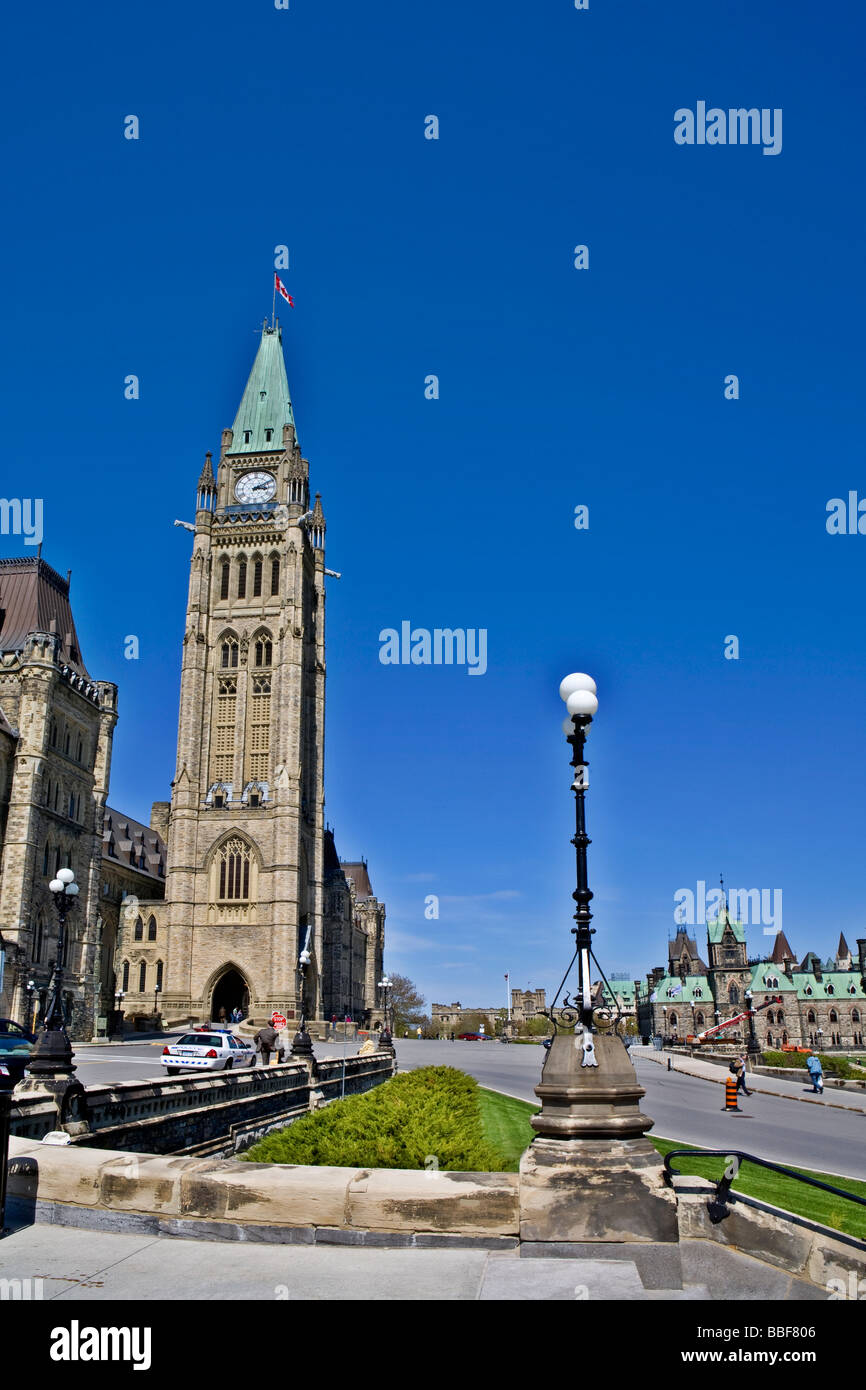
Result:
729,1023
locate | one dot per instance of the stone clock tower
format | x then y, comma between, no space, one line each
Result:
244,891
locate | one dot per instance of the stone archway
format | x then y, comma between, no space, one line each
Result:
230,991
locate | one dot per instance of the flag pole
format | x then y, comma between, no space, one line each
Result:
274,304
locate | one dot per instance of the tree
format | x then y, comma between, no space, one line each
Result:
406,1005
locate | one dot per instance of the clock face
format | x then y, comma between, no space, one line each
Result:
255,487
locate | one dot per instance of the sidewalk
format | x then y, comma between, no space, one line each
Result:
766,1085
73,1265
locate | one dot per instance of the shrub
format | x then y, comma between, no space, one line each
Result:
421,1119
833,1066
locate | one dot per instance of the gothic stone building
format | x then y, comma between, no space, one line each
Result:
823,1005
250,896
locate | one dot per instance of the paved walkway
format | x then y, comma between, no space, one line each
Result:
76,1265
768,1085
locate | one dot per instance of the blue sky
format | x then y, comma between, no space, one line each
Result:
558,387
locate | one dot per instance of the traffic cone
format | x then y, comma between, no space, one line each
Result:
731,1094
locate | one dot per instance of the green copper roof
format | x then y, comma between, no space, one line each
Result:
716,930
694,989
266,403
835,985
763,972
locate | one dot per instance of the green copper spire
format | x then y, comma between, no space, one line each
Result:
266,404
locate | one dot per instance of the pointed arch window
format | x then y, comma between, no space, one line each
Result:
234,871
259,730
275,575
264,652
229,654
834,1017
159,974
242,578
257,578
734,995
151,929
225,576
142,977
810,1016
125,985
855,1015
138,934
39,937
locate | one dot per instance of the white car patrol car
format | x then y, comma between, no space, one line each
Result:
208,1051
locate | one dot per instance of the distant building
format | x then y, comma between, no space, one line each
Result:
822,1005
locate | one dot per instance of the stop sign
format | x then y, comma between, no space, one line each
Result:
278,1021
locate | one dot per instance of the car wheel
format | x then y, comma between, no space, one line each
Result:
172,1071
229,1064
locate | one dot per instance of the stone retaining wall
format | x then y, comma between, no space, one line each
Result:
216,1113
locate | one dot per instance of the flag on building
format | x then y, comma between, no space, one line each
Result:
281,290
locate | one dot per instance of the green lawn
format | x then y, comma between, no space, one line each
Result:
506,1126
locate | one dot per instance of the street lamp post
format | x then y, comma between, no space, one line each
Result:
302,1043
753,1046
156,993
30,990
386,1042
590,1174
119,996
51,1066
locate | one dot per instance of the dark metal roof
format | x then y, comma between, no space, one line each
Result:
357,872
34,598
126,840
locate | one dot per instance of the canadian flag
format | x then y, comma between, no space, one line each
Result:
281,289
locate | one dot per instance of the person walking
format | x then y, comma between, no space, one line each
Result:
816,1072
741,1076
265,1041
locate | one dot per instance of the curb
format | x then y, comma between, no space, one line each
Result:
777,1095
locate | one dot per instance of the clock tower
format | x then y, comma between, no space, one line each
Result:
244,891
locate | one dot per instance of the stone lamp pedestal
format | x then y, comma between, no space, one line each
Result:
591,1175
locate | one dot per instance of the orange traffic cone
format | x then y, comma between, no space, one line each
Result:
731,1094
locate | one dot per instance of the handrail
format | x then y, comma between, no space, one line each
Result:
717,1208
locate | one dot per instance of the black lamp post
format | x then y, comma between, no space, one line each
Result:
753,1046
386,1042
302,1043
156,993
51,1060
29,990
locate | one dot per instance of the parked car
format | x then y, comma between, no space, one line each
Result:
16,1045
213,1051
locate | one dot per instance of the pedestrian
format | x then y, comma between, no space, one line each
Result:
265,1041
816,1072
741,1076
222,1016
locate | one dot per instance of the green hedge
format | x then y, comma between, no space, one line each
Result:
833,1066
428,1118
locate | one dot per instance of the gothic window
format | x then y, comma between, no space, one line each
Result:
46,857
264,652
242,578
225,572
138,934
125,985
66,742
275,575
808,989
834,1017
699,1020
855,1015
57,862
142,976
234,871
229,654
72,805
53,734
831,989
780,1017
247,434
37,942
80,750
673,1020
259,732
734,995
257,578
224,727
159,974
810,1017
151,929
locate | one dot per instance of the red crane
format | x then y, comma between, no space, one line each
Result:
738,1018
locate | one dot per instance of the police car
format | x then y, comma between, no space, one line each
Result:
208,1051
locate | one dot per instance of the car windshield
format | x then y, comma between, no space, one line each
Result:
199,1040
12,1042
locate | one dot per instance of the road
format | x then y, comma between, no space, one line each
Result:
685,1108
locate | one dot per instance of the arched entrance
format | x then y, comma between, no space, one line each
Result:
231,991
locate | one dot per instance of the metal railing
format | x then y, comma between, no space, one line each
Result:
718,1207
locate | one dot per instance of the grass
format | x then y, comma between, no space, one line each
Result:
507,1129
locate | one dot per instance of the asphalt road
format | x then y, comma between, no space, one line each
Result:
685,1108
